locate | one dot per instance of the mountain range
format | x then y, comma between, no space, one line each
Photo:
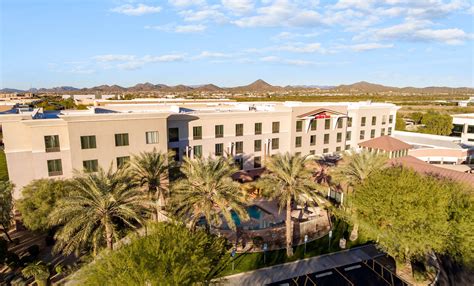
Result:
258,86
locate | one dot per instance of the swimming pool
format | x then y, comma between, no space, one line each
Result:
254,212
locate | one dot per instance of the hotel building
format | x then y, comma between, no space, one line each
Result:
51,145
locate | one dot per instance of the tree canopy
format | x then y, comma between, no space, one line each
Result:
437,123
40,198
6,206
170,254
411,215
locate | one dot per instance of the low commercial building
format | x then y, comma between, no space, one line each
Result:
463,127
52,145
435,149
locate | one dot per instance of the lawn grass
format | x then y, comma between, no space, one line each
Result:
251,261
3,166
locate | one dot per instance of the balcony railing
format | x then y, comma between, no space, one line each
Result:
55,173
53,149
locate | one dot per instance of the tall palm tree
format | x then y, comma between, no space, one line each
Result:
353,169
150,170
98,204
288,179
207,190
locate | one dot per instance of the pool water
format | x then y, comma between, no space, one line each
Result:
254,212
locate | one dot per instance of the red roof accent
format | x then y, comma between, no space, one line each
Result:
425,168
320,110
386,143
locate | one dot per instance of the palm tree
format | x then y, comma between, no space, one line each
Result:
6,207
353,170
150,170
288,179
207,190
97,205
39,271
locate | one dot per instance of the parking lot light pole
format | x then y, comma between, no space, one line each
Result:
330,235
305,241
265,247
232,254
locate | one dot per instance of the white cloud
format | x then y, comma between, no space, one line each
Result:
296,62
138,10
132,62
114,58
208,54
369,47
186,3
178,28
189,28
288,35
417,30
302,48
203,15
238,6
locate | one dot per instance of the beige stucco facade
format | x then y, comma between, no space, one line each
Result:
27,157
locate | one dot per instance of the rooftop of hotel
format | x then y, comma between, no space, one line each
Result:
193,107
465,115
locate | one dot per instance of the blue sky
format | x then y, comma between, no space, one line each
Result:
83,43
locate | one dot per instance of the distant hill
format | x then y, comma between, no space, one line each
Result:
366,87
258,86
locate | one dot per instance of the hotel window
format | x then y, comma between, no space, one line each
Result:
312,140
298,154
348,135
325,150
362,135
197,132
326,138
470,129
51,143
122,161
339,123
151,137
219,131
90,166
88,142
257,162
338,149
276,127
349,122
275,143
239,129
219,149
382,132
258,128
374,120
327,124
257,145
312,152
55,167
314,125
298,141
339,137
299,126
390,119
197,151
389,132
121,139
457,130
173,134
348,147
239,147
384,119
372,133
362,121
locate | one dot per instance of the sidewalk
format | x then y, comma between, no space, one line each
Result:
301,267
